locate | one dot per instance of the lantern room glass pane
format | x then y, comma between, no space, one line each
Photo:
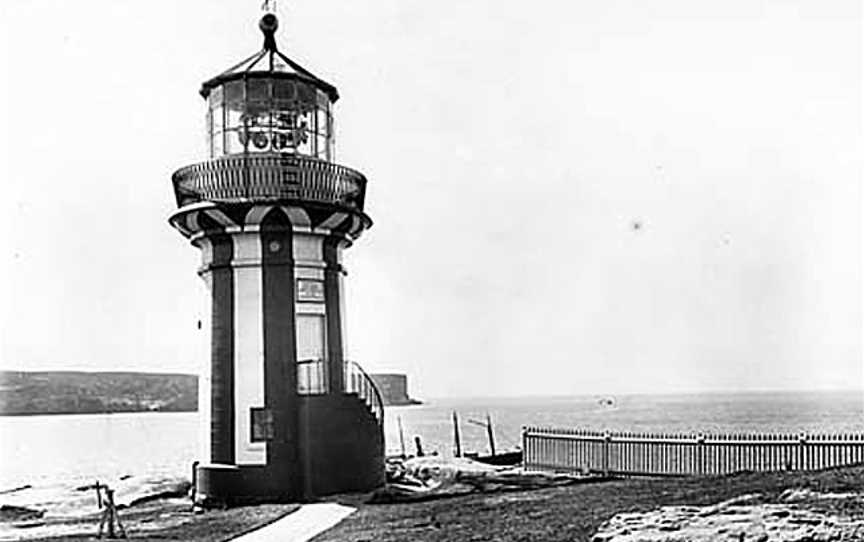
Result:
258,90
216,97
234,141
261,114
256,116
323,100
208,132
283,90
233,92
218,121
323,149
306,94
322,122
304,144
218,147
235,118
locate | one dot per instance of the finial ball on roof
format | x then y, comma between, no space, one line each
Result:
269,23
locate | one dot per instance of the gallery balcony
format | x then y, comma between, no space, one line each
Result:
256,177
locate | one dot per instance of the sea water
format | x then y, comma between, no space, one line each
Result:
47,461
717,413
54,455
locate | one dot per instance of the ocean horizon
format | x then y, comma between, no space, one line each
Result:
54,454
693,412
687,392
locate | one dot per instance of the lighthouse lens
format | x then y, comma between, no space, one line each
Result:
264,114
280,141
260,140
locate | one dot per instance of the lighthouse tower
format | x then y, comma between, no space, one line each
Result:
271,212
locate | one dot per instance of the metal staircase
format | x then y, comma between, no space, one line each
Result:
312,380
359,383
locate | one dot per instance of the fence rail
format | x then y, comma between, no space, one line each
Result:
644,454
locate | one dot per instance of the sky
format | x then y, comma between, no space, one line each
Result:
580,197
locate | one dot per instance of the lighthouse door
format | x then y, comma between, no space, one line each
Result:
311,378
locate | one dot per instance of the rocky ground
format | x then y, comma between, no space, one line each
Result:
160,520
769,507
797,516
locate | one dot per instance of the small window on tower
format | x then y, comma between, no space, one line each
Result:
262,424
310,290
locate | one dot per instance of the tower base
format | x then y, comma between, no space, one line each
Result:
343,452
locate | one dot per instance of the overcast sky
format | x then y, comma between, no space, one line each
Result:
569,196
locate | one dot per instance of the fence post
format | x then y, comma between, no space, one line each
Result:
607,439
802,443
194,480
700,454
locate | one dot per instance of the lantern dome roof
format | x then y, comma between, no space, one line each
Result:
269,62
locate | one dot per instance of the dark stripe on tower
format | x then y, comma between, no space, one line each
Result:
280,352
222,350
335,372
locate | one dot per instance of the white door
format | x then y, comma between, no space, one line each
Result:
311,354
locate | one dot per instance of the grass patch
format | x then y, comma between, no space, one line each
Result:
568,513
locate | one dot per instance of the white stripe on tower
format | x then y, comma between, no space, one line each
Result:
202,352
346,350
248,346
220,217
256,214
299,218
331,222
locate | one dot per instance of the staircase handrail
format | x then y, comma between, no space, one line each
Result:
373,399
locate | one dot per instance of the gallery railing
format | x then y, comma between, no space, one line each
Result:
643,454
272,176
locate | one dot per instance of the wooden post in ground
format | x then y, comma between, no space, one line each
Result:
110,515
401,436
98,487
194,489
491,434
456,440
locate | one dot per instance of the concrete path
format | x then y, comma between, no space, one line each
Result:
301,525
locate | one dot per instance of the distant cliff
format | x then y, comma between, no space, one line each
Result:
393,388
77,392
73,392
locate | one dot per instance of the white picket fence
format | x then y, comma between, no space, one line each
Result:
644,454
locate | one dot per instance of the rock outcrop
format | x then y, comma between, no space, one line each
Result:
796,516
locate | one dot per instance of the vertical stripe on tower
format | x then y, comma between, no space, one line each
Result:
284,454
335,354
221,349
203,334
248,346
